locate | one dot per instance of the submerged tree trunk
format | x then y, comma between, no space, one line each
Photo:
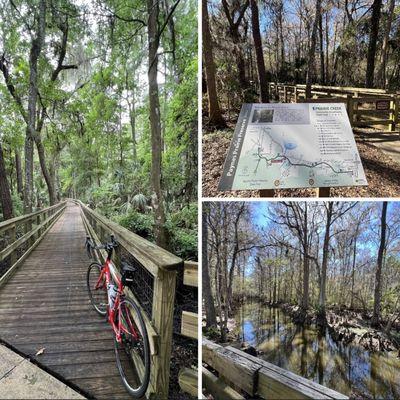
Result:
214,111
373,37
325,253
156,142
5,194
378,275
262,76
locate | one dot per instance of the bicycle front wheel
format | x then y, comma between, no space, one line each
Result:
133,351
97,290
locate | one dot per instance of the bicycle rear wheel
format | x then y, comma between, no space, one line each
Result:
133,352
97,290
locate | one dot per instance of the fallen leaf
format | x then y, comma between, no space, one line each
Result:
41,351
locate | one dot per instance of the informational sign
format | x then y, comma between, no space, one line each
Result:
383,105
278,146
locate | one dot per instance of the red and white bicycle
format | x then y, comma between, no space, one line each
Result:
131,341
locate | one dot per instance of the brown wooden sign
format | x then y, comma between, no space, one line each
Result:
382,105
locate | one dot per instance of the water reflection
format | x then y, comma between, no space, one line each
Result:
313,354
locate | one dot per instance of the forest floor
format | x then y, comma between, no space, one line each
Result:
381,170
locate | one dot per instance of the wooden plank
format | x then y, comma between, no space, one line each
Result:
191,273
267,192
219,389
324,192
236,368
372,122
189,324
188,381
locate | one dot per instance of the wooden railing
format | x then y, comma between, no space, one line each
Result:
241,373
365,107
189,320
154,290
20,235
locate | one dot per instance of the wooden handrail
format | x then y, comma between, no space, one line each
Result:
258,377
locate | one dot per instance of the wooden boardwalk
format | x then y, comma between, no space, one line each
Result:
45,305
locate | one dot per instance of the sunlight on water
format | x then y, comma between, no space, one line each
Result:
314,355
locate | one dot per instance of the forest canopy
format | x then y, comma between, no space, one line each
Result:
99,102
330,42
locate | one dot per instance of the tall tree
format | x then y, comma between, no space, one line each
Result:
311,52
5,194
378,274
153,31
207,294
214,112
373,38
385,47
262,76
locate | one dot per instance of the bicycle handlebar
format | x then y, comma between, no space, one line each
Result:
109,246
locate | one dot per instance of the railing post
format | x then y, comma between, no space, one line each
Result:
163,316
394,113
296,95
13,256
350,110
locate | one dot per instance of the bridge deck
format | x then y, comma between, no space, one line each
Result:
45,305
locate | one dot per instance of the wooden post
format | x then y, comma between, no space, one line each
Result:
13,256
162,318
296,96
394,107
267,192
350,110
324,192
285,94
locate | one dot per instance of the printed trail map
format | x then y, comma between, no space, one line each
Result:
283,146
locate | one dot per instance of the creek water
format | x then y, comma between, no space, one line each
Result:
316,356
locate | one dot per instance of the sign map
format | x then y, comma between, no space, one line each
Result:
277,146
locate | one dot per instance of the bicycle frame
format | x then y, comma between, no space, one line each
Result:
112,311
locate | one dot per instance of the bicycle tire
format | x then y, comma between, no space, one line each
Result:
128,369
92,276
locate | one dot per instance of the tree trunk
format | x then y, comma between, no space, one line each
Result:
6,201
325,254
36,48
18,171
321,50
45,171
214,111
384,52
306,264
262,76
156,149
373,37
211,320
378,275
311,52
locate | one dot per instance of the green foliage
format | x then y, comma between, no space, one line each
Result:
141,224
182,229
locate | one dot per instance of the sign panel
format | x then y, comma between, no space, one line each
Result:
382,105
278,146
